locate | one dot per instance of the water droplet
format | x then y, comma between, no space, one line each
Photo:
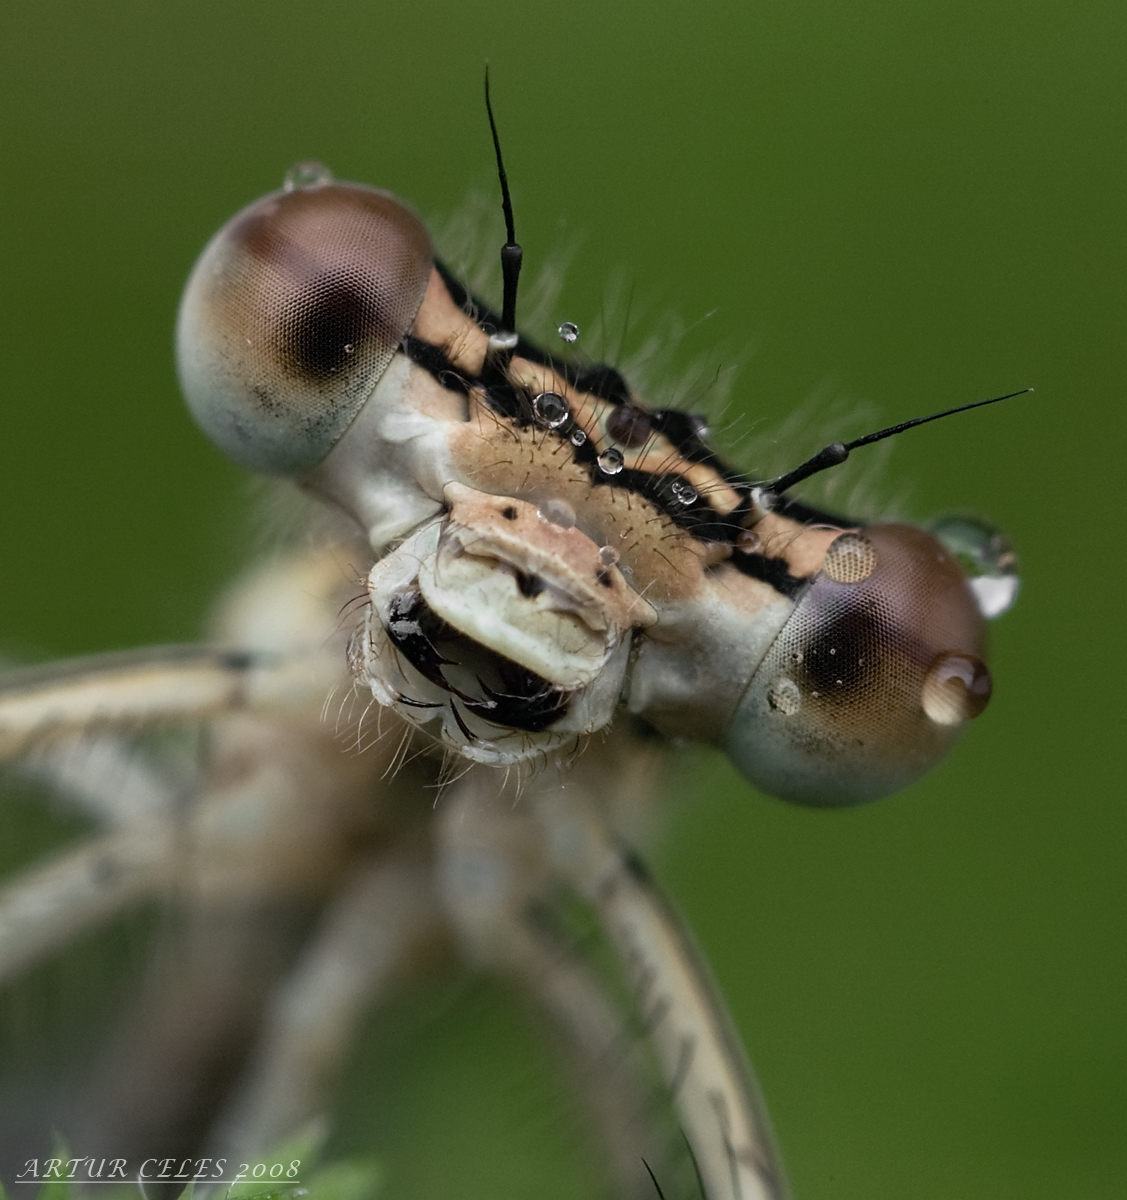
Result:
608,556
569,331
748,542
987,559
304,175
784,696
557,512
956,688
629,425
700,426
683,493
850,558
995,594
578,437
551,409
610,461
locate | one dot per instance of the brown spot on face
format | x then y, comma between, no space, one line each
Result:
530,586
545,555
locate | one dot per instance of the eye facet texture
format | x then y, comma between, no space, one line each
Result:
872,676
291,316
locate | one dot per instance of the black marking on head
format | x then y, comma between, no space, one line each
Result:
603,576
435,363
509,512
771,571
681,429
510,400
603,381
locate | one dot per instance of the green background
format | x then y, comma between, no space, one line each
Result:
905,206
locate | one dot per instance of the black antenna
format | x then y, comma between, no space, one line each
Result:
511,252
838,452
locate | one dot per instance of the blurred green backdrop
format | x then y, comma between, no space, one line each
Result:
909,206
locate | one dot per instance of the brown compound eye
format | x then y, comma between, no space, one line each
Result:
872,676
291,316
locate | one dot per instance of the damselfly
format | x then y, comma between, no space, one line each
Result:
424,728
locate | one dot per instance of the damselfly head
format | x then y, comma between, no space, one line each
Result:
548,549
293,312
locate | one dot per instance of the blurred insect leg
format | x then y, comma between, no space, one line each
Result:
140,688
284,818
495,881
705,1067
44,907
104,778
385,920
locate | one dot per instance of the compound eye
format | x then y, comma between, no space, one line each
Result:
871,678
292,315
